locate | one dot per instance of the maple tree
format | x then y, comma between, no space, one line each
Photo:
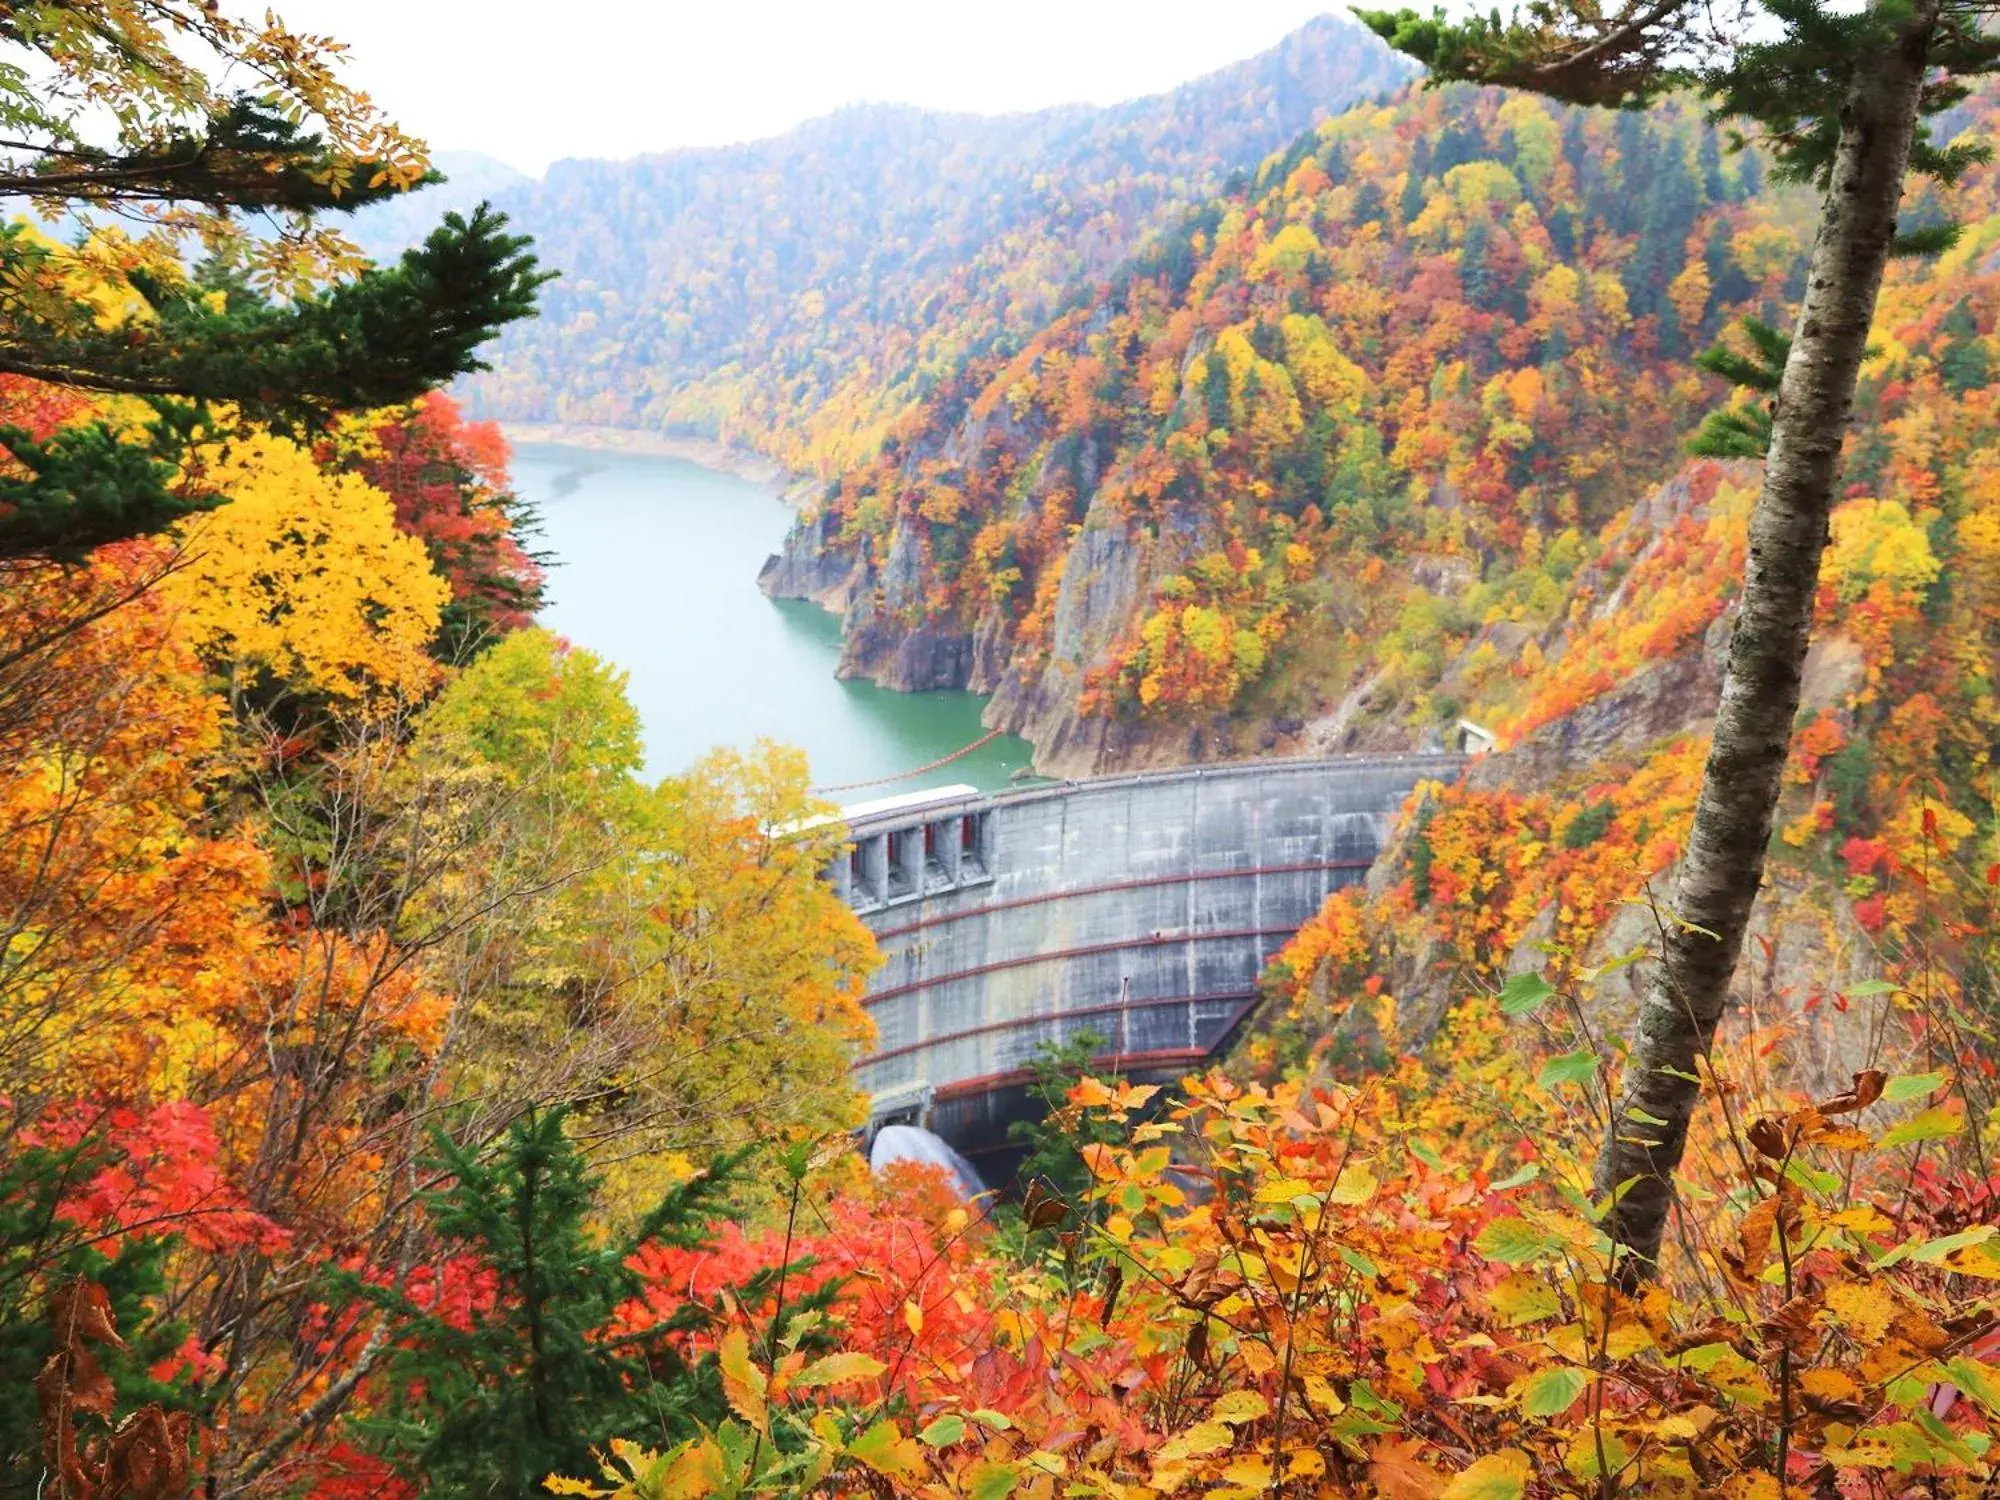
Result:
448,479
304,577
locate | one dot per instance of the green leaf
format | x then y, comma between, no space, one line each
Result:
1521,1176
1636,1113
1512,1241
990,1480
847,1365
1911,1086
1427,1156
1524,994
885,1450
1931,1252
1867,987
1552,1392
1931,1125
999,1421
1357,1261
1978,1380
1815,1179
943,1432
1579,1066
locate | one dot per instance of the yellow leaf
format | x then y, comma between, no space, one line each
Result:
1305,1463
1252,1471
1521,1298
1356,1185
1284,1190
1321,1393
742,1382
1196,1442
913,1317
835,1368
1237,1407
1863,1309
697,1470
1829,1385
1498,1476
1752,1486
884,1449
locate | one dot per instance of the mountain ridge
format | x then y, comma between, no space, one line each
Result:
798,295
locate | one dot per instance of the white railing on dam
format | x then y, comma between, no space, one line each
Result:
1142,908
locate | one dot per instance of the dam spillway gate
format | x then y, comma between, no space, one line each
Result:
1141,909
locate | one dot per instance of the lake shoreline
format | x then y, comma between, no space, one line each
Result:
656,562
726,458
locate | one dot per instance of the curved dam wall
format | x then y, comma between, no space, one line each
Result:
1140,908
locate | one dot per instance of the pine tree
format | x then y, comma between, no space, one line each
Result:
1743,430
1841,99
1964,364
272,328
491,1402
41,1252
1708,161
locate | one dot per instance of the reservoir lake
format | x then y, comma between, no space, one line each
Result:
653,565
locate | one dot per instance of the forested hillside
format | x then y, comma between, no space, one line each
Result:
1268,484
402,1098
795,295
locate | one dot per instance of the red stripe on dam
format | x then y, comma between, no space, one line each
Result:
1312,867
1058,955
1243,998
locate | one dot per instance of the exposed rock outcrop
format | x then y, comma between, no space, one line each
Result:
813,564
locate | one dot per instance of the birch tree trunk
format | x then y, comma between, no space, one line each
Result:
1724,861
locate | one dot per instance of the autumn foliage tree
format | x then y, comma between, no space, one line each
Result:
1842,99
191,153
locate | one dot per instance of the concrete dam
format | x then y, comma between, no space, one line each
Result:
1139,908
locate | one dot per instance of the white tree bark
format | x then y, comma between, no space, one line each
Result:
1724,861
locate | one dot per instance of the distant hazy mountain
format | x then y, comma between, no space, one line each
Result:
797,294
471,177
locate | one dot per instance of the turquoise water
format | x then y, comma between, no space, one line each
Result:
655,567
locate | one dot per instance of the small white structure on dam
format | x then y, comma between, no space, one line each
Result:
1139,908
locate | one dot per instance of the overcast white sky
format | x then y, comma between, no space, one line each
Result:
529,83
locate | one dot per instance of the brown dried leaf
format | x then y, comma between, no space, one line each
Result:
1866,1090
1791,1326
151,1457
1043,1206
80,1311
1753,1240
1768,1136
1714,1331
1114,1282
1396,1472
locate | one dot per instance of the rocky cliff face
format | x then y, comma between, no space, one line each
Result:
891,636
1601,793
884,635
